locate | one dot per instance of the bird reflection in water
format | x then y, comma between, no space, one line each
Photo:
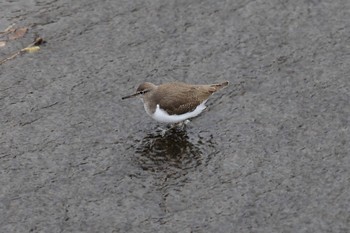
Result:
171,159
169,152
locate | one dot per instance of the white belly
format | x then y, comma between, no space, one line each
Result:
162,116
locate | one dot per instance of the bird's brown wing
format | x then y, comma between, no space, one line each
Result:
179,98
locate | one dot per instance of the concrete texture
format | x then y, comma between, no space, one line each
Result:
271,154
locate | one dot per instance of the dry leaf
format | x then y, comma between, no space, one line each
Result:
2,43
32,49
18,33
38,41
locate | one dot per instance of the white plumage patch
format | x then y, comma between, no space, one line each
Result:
162,116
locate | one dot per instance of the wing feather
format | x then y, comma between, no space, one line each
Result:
179,98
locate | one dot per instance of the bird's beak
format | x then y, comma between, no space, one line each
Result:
130,96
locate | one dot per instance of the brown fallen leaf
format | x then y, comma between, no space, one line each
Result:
18,33
2,43
38,41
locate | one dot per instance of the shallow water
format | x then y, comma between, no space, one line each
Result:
269,154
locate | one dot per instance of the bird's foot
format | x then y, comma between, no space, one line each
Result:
161,131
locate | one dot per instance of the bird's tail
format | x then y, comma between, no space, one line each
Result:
218,86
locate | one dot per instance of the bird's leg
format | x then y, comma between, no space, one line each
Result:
180,124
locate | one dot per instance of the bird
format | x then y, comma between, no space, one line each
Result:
175,102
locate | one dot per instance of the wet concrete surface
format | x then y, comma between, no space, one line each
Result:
270,154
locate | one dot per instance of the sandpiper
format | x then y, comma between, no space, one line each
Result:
175,102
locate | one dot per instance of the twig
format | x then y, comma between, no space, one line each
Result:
8,29
38,41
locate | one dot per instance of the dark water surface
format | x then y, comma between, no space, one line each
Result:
270,153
